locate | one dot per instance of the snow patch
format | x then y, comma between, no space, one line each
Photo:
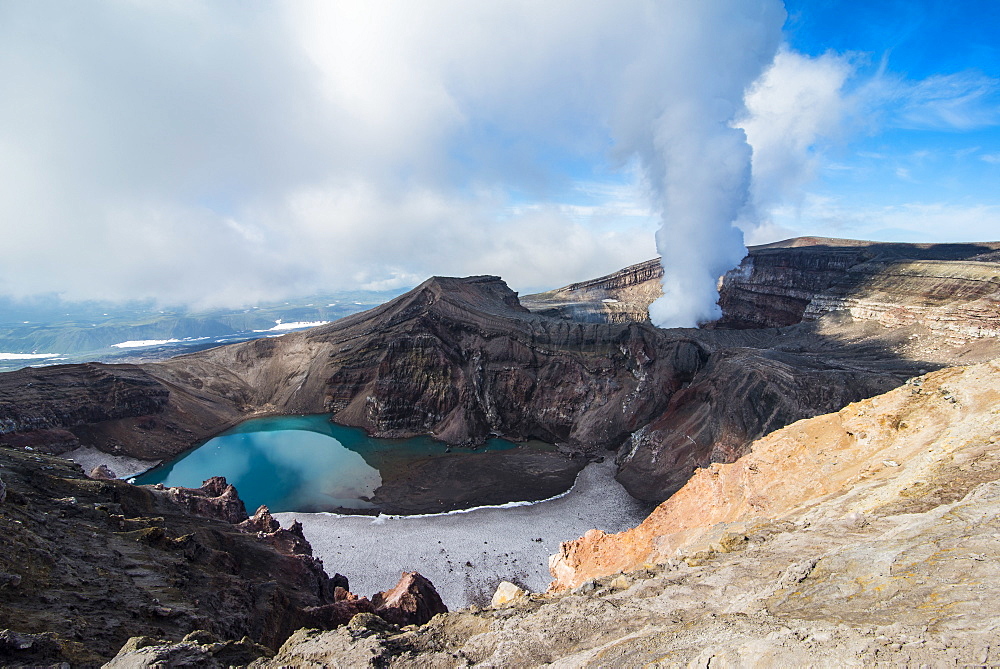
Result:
138,343
296,325
27,356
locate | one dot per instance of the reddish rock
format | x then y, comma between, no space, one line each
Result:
214,499
843,455
288,542
102,473
461,359
412,601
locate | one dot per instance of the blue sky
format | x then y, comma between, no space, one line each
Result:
222,153
923,161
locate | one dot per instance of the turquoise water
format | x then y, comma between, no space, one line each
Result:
300,463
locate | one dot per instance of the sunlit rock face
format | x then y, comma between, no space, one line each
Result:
928,443
621,297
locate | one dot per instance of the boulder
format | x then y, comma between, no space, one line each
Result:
412,601
506,593
102,473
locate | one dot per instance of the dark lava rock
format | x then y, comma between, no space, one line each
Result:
290,542
462,360
92,563
214,499
260,521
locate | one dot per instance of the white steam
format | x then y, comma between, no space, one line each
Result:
697,162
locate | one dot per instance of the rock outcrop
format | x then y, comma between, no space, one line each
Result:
198,649
102,473
85,564
622,297
412,601
88,563
214,499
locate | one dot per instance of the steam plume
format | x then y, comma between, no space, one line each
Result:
698,164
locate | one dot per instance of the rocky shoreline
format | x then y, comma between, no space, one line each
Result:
467,554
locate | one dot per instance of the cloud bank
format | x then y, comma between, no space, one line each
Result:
223,153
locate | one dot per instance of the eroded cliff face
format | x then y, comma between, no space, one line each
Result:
462,360
912,449
621,297
951,289
955,302
944,286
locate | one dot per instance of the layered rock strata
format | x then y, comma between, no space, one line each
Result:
952,289
621,297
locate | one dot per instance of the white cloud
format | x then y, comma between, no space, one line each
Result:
226,152
793,110
959,101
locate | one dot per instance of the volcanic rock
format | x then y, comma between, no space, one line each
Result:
808,326
506,593
621,297
331,616
291,541
867,458
92,563
214,499
102,473
412,601
198,649
261,522
808,551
